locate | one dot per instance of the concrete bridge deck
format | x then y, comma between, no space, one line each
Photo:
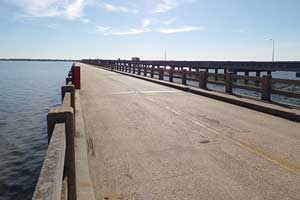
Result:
148,141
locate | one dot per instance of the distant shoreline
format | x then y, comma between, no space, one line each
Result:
40,60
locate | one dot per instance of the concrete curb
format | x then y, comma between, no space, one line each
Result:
85,189
264,107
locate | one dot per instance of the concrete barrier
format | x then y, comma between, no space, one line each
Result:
59,165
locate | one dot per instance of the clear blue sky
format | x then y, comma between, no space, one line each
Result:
188,29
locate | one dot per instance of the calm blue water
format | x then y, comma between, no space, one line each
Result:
27,91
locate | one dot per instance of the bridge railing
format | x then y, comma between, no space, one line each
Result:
265,85
57,179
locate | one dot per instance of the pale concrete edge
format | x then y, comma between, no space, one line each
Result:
243,102
85,189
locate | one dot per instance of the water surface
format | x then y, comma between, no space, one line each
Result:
27,91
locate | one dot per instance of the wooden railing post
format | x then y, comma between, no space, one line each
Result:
161,74
184,77
65,115
133,69
228,82
171,75
266,88
203,75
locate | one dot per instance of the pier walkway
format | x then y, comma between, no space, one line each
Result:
148,141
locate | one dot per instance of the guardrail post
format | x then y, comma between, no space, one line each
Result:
133,69
216,72
203,79
65,115
68,80
71,89
246,74
152,71
266,88
139,70
257,75
145,70
161,74
228,82
171,75
184,77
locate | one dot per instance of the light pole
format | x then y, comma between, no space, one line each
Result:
273,54
273,50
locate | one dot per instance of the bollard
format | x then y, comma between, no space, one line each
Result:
203,75
65,115
228,82
171,75
266,88
184,77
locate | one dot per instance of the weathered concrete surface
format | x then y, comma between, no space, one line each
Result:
84,186
50,180
284,111
147,141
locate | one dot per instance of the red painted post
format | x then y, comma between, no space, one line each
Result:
76,77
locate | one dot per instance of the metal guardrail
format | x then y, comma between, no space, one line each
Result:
232,65
230,80
57,179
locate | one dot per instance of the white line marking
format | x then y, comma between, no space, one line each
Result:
168,91
145,92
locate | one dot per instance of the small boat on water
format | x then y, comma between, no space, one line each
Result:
298,74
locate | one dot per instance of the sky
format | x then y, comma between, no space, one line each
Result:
184,29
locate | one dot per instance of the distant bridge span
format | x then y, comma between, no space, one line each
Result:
235,66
